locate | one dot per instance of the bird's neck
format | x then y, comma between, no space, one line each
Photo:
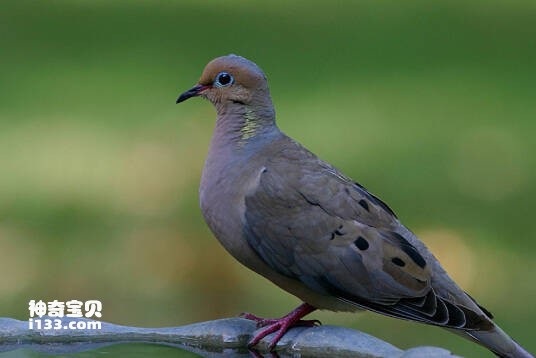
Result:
239,123
240,133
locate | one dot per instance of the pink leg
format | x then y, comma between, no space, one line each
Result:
281,325
262,322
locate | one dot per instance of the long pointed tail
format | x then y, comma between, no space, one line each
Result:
498,342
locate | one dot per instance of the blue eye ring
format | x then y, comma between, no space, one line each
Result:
223,79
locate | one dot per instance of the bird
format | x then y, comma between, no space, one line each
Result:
301,223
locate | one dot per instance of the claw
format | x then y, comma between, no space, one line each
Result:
261,322
250,316
280,325
308,323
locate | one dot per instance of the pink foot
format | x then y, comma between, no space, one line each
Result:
262,322
281,325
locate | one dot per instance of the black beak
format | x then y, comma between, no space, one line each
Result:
192,92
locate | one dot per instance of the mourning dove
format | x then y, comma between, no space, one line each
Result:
298,221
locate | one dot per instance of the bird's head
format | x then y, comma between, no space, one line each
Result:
230,80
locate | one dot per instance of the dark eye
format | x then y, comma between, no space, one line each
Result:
223,79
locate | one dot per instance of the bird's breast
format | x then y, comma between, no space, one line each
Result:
224,186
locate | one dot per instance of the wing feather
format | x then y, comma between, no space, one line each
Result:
314,225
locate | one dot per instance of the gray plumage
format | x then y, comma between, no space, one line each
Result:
301,223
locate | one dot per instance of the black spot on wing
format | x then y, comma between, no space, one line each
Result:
337,232
364,204
361,243
398,261
409,249
374,199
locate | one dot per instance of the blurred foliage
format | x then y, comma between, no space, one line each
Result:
430,105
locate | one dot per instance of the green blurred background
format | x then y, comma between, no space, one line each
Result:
430,105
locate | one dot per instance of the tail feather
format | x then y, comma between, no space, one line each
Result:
498,342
